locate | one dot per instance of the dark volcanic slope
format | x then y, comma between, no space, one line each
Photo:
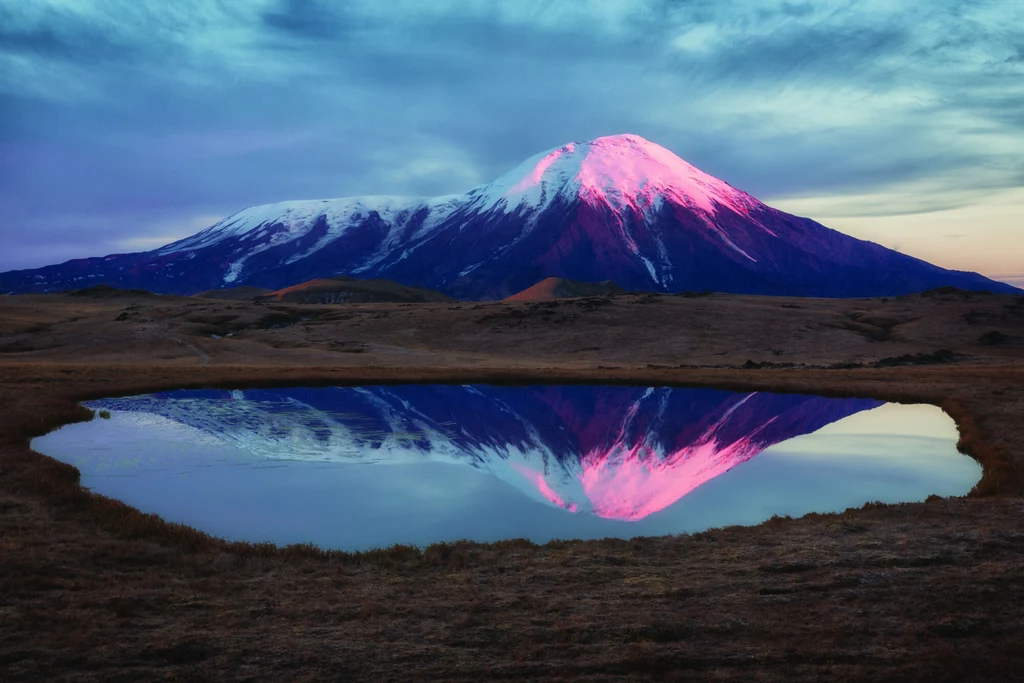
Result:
617,208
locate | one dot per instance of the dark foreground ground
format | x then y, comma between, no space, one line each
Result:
91,589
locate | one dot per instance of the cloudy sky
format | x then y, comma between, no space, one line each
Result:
125,124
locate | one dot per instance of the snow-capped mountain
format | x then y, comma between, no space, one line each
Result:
616,452
616,208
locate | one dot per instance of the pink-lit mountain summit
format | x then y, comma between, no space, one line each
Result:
623,172
615,208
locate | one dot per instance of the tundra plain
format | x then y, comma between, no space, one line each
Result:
91,589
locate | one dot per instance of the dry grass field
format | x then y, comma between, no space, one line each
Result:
91,589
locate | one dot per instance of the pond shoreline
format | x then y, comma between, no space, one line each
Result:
484,463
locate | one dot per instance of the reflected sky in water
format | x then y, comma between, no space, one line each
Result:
363,467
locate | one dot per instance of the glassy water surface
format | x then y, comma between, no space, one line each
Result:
363,467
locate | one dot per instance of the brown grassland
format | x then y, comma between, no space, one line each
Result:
91,589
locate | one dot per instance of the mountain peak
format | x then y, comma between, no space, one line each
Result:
617,208
623,171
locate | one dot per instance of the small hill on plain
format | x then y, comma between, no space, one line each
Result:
234,293
350,290
562,288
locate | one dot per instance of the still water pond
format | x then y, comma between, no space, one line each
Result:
362,467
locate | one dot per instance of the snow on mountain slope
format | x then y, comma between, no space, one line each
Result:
615,452
272,225
616,208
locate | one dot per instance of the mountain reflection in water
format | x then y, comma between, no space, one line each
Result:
616,452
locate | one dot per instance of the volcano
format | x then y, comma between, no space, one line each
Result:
615,452
616,208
